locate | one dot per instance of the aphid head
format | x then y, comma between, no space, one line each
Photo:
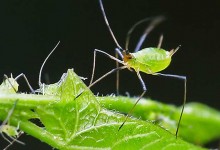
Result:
126,55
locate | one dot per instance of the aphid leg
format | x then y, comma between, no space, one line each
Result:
117,53
160,41
16,139
142,94
26,80
19,134
94,62
93,70
184,97
9,114
5,137
100,78
117,75
93,67
106,74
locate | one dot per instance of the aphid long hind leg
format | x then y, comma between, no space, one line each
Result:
142,94
26,80
184,98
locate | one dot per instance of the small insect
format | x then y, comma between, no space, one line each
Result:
10,85
148,60
48,89
12,132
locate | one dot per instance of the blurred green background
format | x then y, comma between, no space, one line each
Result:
30,29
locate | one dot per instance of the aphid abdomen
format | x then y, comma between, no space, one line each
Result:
150,60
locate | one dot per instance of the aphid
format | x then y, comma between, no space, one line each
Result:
148,60
48,89
10,85
11,131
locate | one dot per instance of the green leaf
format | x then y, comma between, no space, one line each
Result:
71,122
202,122
199,121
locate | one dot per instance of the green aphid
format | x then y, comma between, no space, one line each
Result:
148,60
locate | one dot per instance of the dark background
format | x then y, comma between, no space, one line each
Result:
30,29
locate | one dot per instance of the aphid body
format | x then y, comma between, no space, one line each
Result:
149,60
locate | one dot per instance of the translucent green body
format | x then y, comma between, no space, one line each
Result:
150,60
6,86
9,130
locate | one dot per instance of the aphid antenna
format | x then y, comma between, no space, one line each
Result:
155,21
128,36
109,28
42,66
